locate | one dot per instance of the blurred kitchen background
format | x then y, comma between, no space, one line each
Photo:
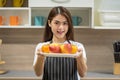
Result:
18,43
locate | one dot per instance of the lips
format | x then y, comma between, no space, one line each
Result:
60,32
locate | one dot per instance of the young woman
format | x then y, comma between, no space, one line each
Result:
59,29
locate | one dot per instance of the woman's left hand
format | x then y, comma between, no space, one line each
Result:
79,54
81,63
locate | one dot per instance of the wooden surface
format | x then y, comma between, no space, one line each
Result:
117,68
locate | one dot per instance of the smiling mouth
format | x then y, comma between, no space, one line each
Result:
60,32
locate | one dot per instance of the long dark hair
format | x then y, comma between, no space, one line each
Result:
55,11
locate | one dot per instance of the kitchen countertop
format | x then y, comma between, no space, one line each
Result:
31,75
19,74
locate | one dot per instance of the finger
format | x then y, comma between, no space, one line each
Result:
40,54
79,50
79,53
39,50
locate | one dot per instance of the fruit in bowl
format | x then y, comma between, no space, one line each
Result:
60,48
45,48
69,48
74,49
66,48
54,48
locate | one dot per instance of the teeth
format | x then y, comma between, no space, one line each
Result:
60,32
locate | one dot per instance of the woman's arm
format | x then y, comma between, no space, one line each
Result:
81,64
39,64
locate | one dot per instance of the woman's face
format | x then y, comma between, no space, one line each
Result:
59,27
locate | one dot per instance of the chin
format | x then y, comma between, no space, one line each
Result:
60,37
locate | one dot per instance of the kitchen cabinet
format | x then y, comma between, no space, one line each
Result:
84,13
21,14
70,3
32,8
106,14
80,8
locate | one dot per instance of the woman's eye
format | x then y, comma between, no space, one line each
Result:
56,22
65,23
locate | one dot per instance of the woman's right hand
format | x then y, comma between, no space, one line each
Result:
39,54
39,62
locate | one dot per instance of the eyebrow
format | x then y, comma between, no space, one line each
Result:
60,21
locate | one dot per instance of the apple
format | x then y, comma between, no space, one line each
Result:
54,48
66,48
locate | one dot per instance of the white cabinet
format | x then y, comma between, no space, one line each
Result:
70,3
23,15
80,8
32,8
19,15
84,13
106,14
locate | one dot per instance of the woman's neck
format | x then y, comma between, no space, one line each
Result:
58,40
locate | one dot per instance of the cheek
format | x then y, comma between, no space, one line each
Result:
66,28
53,29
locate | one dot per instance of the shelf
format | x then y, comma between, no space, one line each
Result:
40,27
70,8
105,27
84,12
73,26
21,27
109,11
14,8
23,15
16,27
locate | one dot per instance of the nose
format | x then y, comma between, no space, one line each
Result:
61,26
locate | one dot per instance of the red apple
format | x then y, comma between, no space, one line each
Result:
54,48
66,48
